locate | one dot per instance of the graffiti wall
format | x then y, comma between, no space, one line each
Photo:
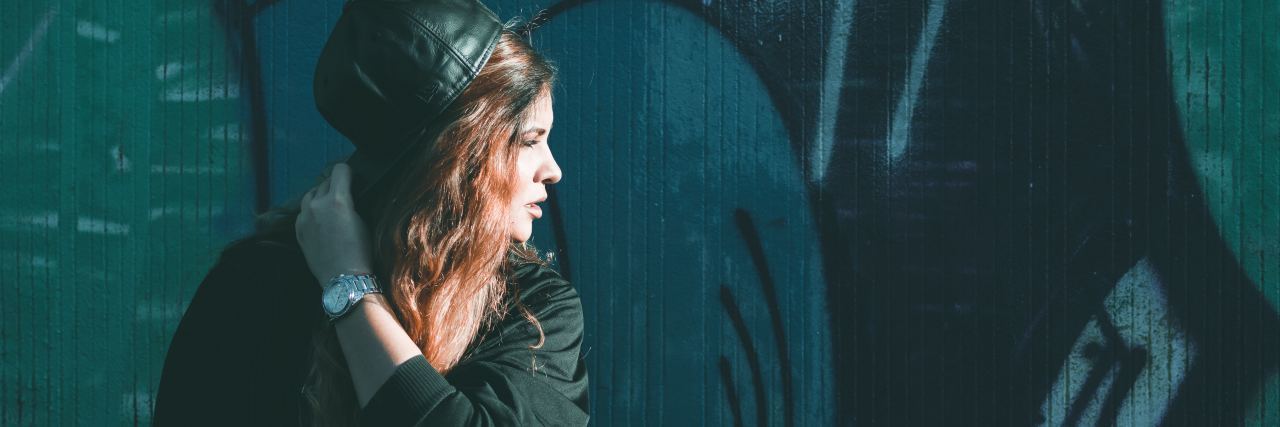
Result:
853,212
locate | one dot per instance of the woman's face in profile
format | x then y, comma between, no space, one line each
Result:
536,169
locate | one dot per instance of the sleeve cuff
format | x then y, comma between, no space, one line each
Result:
412,391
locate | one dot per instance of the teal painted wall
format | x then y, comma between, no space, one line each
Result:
125,175
1225,62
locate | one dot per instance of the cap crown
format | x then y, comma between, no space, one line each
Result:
391,68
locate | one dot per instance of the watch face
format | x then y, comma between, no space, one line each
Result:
337,297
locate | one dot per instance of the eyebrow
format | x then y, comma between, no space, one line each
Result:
537,131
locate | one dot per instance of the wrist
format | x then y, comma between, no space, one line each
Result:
343,293
327,277
367,307
377,299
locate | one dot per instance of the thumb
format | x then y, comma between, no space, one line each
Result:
341,181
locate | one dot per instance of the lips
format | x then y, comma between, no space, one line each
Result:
535,210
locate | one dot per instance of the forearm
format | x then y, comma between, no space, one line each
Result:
374,345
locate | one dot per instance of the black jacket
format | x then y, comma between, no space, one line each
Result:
242,349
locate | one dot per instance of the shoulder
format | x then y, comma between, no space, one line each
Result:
534,278
540,292
545,292
259,294
258,275
263,256
246,327
539,346
275,244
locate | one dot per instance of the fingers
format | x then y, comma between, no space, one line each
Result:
322,189
304,214
306,197
336,187
340,181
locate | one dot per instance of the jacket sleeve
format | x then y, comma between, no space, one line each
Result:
226,357
504,381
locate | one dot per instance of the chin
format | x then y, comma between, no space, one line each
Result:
521,234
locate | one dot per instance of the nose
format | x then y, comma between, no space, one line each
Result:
549,172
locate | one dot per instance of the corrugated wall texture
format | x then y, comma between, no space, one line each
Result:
852,212
124,159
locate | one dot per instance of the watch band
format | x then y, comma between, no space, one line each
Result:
365,283
344,291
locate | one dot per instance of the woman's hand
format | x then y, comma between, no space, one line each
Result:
333,238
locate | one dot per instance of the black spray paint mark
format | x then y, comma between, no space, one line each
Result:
753,359
236,18
756,249
730,391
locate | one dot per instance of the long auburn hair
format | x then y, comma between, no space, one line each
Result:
441,229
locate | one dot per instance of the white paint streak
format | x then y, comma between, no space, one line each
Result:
42,220
189,170
95,31
169,70
86,224
36,36
900,125
161,212
1139,313
202,92
138,402
832,85
121,161
183,16
161,311
33,260
228,132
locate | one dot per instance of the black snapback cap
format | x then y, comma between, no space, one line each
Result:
389,72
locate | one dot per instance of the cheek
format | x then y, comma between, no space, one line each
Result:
527,162
516,208
525,169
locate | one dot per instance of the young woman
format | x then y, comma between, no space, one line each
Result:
437,312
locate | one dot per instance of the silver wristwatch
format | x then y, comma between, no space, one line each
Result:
344,291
